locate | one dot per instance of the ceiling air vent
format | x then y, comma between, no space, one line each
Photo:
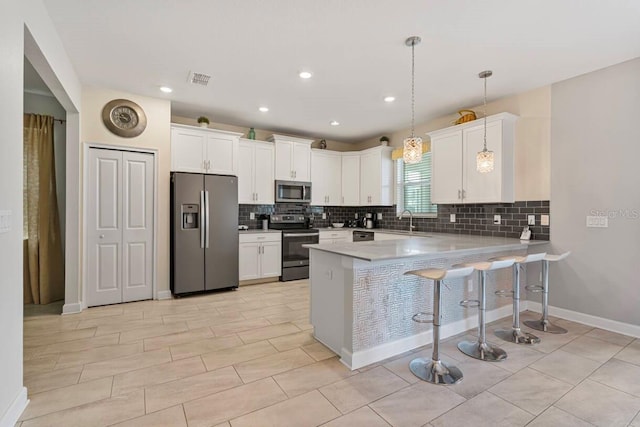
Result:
198,78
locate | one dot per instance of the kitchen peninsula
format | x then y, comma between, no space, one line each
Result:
362,303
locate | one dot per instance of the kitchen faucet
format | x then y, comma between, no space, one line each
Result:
411,226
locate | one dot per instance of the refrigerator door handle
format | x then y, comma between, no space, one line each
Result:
202,216
206,207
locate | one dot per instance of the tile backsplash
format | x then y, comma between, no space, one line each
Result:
476,219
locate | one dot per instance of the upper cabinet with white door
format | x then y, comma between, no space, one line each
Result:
255,172
350,179
293,158
376,177
326,178
203,150
455,178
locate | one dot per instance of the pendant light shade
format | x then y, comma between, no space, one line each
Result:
412,150
412,146
485,158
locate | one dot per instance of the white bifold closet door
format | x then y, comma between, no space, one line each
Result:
119,226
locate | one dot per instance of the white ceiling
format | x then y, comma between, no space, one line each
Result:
254,50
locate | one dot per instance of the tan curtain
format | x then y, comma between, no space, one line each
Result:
43,259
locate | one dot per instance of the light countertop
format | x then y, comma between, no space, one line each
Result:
423,244
258,231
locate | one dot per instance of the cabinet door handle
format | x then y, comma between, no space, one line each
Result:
464,194
459,194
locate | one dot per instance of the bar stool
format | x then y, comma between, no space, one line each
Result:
481,349
435,371
515,334
543,324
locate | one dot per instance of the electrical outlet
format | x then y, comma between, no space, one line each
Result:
544,219
452,217
497,219
355,215
597,222
531,219
5,221
379,216
252,215
324,215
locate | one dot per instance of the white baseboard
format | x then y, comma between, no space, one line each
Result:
588,319
359,359
164,295
73,308
10,418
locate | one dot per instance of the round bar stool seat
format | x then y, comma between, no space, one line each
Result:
436,371
515,334
482,349
543,324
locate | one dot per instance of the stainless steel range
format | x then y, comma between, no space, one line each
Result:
296,231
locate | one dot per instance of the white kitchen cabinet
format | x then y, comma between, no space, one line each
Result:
350,179
376,177
293,158
335,236
203,150
259,255
326,178
454,175
255,172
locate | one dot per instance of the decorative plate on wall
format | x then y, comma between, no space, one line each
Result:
124,118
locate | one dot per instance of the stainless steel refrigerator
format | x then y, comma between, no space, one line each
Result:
204,232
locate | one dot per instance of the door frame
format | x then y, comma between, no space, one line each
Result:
85,177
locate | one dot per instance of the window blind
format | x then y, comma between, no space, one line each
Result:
414,186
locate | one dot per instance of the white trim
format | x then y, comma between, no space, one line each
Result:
163,295
275,137
588,319
17,407
73,308
85,170
366,357
190,127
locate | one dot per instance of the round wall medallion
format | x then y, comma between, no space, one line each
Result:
124,118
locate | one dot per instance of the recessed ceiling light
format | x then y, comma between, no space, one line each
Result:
263,109
305,75
389,98
335,123
166,89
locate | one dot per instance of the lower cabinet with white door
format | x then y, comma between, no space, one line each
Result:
260,255
335,236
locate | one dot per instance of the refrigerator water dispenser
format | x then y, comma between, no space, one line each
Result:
189,216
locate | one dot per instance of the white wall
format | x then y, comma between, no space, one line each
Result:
49,106
594,167
47,52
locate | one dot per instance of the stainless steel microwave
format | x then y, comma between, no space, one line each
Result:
293,192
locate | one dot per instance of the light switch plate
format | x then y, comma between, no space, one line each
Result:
379,217
452,217
252,215
5,221
597,222
324,215
531,219
544,219
497,219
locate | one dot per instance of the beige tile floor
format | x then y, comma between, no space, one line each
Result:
248,358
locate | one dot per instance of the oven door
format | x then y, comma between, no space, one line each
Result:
293,254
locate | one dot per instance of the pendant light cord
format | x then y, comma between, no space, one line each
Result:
413,78
485,114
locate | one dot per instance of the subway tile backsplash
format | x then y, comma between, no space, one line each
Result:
476,219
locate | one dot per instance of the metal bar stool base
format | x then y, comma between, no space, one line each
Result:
517,337
435,372
482,351
541,325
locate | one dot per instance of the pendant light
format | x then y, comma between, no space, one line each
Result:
412,146
484,158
